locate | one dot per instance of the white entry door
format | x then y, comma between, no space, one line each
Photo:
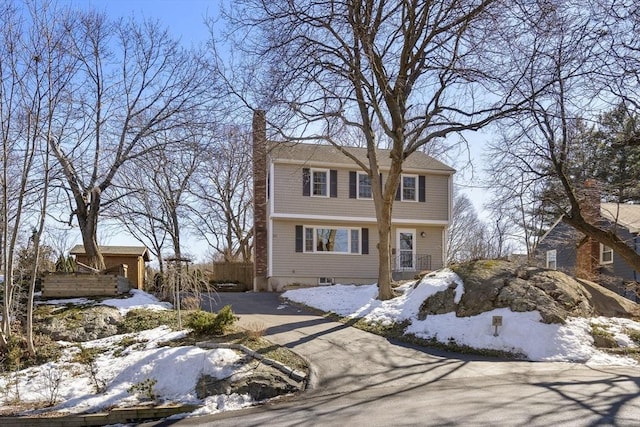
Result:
406,249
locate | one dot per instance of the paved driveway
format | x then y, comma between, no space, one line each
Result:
363,379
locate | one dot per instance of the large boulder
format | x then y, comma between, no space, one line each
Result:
491,284
80,324
261,383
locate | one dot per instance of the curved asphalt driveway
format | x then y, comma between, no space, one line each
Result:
362,379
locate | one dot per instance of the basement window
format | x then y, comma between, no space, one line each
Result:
325,281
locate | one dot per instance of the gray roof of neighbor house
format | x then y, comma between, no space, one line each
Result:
626,215
318,153
116,250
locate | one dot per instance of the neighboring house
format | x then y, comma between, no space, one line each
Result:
563,248
315,221
133,257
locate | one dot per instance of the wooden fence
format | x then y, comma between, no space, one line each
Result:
73,285
238,273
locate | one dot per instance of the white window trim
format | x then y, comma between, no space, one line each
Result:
602,252
358,186
349,231
411,231
328,183
325,281
552,253
415,180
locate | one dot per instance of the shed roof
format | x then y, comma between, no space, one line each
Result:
626,215
116,250
324,153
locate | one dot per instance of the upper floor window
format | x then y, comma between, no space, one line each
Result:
319,182
606,254
551,260
364,186
409,187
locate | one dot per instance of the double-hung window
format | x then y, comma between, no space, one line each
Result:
409,188
337,240
320,182
364,186
606,254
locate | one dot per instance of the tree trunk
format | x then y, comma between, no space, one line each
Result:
88,222
384,256
32,287
91,249
383,201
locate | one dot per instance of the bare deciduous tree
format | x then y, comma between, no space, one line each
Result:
516,197
155,198
581,57
463,230
415,71
133,82
470,238
34,77
223,190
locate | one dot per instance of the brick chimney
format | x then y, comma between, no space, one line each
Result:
588,249
260,256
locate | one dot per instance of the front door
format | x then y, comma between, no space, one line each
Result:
406,249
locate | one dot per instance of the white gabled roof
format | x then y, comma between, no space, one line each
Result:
626,215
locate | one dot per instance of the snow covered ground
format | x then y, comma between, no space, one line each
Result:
124,361
520,333
130,359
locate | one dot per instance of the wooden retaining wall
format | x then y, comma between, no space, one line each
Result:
73,285
115,416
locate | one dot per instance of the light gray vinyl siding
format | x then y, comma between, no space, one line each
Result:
288,198
436,205
286,262
431,245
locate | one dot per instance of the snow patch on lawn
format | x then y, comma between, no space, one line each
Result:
520,333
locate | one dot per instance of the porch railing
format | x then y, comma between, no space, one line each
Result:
409,262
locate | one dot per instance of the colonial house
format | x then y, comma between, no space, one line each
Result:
563,248
315,222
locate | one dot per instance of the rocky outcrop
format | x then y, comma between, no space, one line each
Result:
80,324
261,383
491,284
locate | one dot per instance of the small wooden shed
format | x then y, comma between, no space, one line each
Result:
134,257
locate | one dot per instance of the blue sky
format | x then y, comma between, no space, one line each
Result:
184,18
